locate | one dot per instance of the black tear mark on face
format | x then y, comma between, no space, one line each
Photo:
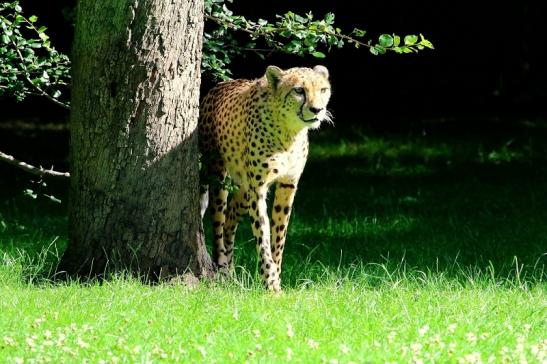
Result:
301,109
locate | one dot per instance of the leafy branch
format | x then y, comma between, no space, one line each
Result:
30,65
290,33
311,32
35,84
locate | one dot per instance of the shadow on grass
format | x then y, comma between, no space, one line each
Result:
441,205
466,216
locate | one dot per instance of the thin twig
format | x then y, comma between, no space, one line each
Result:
39,171
227,23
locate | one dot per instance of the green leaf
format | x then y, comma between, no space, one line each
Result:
42,29
385,40
373,50
5,39
318,54
425,42
300,19
380,49
359,32
329,18
33,19
396,40
410,39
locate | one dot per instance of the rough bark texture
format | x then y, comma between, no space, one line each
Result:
133,149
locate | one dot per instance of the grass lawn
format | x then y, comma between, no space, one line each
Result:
424,246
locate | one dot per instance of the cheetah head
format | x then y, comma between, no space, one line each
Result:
300,95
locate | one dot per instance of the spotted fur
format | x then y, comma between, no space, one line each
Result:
256,132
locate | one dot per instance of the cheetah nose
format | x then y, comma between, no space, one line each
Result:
315,110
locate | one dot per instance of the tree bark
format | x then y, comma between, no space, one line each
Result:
134,160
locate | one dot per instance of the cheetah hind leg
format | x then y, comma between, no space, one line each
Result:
237,208
218,197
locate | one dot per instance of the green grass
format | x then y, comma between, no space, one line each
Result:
401,248
345,321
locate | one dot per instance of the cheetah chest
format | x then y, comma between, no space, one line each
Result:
253,168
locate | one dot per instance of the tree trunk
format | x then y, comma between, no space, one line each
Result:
133,149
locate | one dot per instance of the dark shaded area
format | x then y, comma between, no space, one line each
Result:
489,59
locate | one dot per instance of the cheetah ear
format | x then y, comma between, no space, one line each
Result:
273,75
322,70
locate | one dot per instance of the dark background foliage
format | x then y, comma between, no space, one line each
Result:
489,62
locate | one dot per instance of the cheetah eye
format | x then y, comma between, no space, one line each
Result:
324,89
299,90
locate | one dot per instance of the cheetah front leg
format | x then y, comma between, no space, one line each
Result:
261,230
281,212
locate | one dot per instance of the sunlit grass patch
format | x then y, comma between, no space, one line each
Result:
417,319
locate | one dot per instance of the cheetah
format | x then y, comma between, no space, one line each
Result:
256,132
